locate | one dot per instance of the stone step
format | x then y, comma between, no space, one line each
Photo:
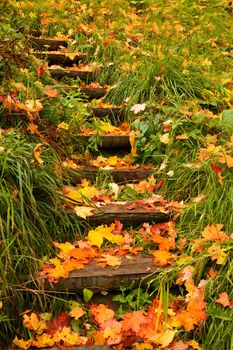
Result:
99,112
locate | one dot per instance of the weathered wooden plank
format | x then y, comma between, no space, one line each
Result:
139,269
94,347
60,58
109,141
107,112
137,216
93,93
44,43
69,73
118,175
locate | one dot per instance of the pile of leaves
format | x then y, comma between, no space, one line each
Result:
106,128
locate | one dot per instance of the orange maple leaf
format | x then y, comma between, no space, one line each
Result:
133,321
50,92
162,258
34,323
77,312
214,233
101,313
223,299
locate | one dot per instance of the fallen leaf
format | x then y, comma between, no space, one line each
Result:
165,138
101,313
63,126
109,260
77,312
138,108
83,212
223,299
50,92
37,151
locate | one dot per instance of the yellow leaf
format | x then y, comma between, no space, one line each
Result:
165,138
132,144
33,105
109,260
164,338
34,323
83,211
0,304
43,340
63,126
218,254
22,344
228,160
37,151
95,238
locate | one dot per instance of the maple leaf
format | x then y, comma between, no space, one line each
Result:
33,128
132,144
37,150
138,108
43,340
109,260
57,324
83,212
112,331
101,313
33,105
77,312
22,344
228,160
164,243
34,323
97,236
164,338
214,233
218,254
50,92
133,321
223,299
162,258
68,337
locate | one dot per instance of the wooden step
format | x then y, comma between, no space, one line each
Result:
107,112
83,347
60,73
109,141
139,269
47,44
54,57
93,93
87,93
136,216
118,175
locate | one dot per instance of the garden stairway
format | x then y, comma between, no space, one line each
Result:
137,268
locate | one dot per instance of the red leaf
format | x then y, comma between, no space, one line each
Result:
40,70
58,323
